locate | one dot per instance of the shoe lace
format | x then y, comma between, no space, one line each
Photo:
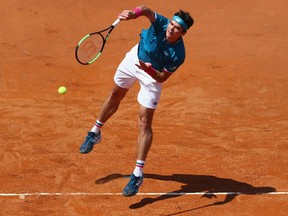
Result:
135,182
90,138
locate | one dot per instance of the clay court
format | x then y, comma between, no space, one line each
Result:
220,130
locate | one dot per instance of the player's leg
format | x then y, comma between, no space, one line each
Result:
109,107
111,104
145,137
145,134
124,79
148,98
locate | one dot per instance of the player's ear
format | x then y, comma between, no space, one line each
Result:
184,32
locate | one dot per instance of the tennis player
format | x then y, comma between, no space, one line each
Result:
151,62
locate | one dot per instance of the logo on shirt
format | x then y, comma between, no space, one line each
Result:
166,53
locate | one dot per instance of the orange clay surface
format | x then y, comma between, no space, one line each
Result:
221,125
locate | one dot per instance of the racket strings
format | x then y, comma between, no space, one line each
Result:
90,48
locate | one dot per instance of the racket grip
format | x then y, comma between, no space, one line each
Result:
116,22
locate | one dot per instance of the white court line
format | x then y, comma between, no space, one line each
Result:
23,195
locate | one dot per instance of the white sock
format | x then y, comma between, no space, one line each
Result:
138,171
97,127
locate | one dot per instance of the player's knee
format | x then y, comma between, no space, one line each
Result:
116,97
145,123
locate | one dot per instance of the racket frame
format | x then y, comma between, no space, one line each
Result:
110,28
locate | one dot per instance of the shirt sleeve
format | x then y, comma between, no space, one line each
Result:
173,66
160,23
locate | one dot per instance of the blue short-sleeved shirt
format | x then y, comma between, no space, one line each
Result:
154,48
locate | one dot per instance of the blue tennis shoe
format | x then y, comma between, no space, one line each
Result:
133,185
91,139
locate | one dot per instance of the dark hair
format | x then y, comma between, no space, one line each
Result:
185,16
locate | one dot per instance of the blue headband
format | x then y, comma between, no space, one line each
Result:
181,22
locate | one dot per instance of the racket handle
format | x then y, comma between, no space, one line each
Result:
116,23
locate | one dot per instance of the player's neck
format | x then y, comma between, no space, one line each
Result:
172,40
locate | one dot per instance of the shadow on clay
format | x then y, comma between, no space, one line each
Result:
196,183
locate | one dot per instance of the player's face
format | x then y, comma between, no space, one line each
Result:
174,31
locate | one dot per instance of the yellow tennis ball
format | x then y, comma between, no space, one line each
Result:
62,90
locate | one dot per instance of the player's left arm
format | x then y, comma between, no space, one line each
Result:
159,76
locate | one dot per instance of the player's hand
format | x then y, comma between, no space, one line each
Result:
144,65
127,15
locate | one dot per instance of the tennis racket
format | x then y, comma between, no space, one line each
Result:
91,46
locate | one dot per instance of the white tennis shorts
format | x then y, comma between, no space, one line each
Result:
128,73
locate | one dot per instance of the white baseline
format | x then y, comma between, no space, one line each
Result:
23,195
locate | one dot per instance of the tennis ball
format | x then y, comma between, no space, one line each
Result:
62,90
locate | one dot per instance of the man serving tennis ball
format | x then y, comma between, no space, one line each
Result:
151,62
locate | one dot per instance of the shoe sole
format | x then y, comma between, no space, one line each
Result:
129,195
